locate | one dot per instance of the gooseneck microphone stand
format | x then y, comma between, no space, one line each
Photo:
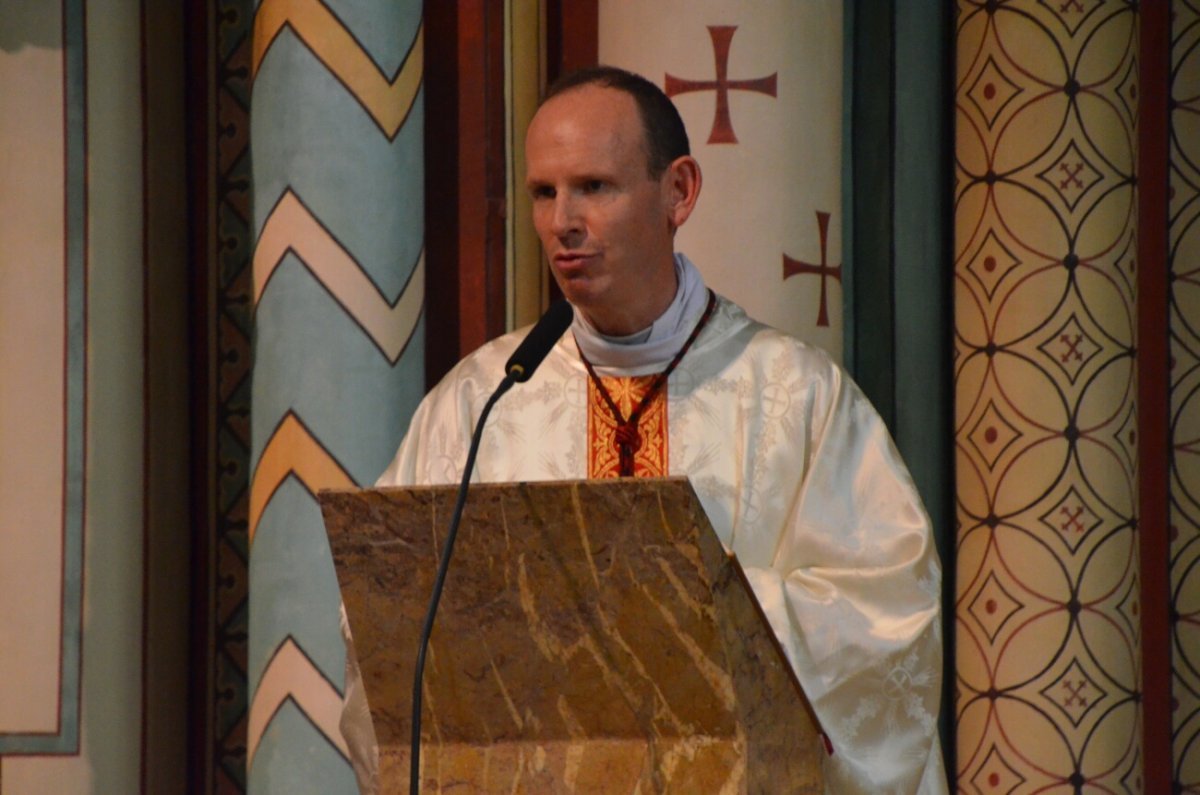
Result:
518,369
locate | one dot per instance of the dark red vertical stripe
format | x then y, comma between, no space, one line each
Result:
483,162
199,40
572,36
473,144
441,179
465,170
1154,392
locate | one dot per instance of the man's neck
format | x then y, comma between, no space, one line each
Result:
628,321
659,340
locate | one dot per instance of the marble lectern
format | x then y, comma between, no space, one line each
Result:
593,637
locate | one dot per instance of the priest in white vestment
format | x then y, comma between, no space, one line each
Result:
793,466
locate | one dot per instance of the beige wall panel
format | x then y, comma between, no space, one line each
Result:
762,194
32,375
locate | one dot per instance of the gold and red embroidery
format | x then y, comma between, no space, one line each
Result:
650,456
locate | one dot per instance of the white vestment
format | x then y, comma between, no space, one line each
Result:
800,480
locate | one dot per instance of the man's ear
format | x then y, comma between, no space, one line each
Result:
681,185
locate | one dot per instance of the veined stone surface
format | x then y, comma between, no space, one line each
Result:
592,637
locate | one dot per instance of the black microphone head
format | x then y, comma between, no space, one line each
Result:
539,341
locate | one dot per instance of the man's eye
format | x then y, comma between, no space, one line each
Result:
593,186
541,192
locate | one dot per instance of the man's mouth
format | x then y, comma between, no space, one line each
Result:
569,262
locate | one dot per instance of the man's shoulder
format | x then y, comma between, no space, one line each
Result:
484,366
769,344
496,350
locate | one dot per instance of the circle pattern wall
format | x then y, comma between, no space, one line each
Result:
1184,262
1047,612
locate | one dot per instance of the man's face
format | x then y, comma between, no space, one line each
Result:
606,226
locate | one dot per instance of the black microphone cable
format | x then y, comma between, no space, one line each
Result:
518,369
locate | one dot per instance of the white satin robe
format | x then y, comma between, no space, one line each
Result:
800,480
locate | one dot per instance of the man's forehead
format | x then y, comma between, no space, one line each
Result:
600,110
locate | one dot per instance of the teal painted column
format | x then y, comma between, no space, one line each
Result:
338,185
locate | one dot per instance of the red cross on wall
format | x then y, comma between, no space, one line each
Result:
722,126
793,267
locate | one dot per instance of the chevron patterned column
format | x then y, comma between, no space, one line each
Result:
1047,618
336,138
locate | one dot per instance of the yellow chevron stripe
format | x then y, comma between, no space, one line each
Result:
292,450
291,673
388,102
292,226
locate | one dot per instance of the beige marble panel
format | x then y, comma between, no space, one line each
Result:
592,637
32,372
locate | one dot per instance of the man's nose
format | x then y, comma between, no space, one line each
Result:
566,220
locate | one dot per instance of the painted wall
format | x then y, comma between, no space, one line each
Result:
337,137
93,531
1184,259
759,87
1048,624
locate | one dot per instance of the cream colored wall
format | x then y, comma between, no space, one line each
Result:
135,473
32,336
762,194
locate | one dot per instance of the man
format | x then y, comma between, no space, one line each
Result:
806,487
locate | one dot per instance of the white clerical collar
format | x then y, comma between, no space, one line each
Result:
652,348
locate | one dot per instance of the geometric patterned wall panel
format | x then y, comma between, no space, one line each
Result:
1047,612
338,285
226,425
1184,264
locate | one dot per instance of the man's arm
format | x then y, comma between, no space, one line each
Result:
854,596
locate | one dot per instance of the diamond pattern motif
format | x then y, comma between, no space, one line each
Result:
992,435
1071,14
992,607
996,775
992,262
1072,519
1071,175
1070,348
992,91
1075,693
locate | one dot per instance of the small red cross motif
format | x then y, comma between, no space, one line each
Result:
1072,522
1075,693
1072,347
722,126
793,267
1072,175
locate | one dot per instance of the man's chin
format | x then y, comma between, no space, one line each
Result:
581,291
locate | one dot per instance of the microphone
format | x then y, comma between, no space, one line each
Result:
518,369
538,342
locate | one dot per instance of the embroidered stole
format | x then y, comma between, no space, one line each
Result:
649,457
637,446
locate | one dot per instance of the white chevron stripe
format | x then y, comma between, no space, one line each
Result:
292,227
292,674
